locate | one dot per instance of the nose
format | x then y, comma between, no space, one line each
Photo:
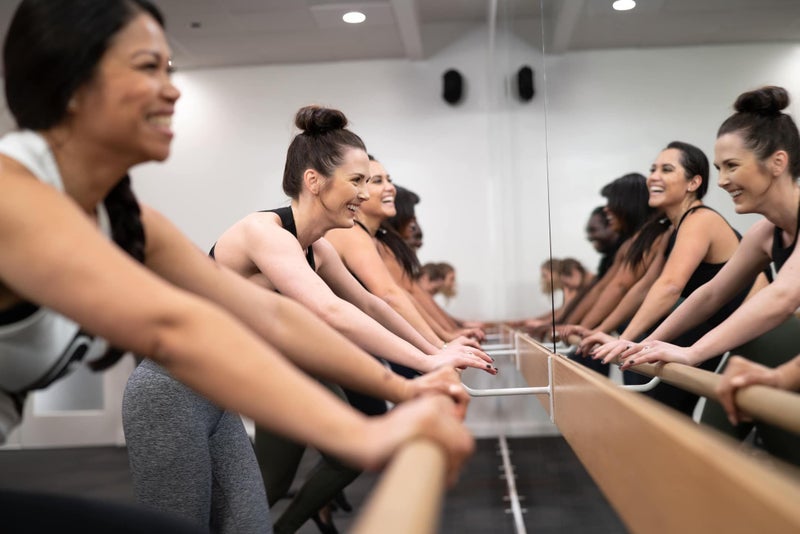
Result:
363,192
722,181
170,91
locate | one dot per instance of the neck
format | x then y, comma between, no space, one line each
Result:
310,220
370,222
781,205
87,171
674,213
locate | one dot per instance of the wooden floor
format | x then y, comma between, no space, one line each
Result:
557,494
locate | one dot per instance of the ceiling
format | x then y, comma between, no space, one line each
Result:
215,33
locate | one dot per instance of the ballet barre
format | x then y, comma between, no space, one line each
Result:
660,471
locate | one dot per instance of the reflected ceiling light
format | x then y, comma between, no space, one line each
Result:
623,5
354,17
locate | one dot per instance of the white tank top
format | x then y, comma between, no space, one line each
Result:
43,346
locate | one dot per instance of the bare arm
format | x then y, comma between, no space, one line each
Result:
358,252
624,279
634,298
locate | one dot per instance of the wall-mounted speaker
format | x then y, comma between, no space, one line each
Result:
452,86
525,83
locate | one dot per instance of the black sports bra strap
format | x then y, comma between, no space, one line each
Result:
287,221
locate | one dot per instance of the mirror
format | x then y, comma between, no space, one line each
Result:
621,85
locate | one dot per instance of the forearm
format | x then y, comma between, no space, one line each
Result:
698,307
606,302
763,312
659,301
402,304
371,336
394,322
433,309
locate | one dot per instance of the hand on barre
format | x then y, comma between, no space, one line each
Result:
651,351
566,331
593,342
741,372
445,381
430,417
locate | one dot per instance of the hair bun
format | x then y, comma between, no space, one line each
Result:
768,100
316,120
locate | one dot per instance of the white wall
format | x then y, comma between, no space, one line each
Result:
480,167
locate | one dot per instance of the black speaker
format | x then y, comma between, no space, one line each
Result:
452,86
525,83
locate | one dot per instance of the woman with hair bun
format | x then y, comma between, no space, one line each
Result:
88,83
284,250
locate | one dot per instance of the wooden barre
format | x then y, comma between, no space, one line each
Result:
408,498
771,405
774,406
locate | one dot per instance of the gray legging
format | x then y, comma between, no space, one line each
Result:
190,458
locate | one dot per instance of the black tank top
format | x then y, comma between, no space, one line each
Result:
287,221
705,271
780,254
702,274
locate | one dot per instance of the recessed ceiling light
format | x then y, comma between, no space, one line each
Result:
623,5
354,17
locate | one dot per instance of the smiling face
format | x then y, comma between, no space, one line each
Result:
741,174
600,234
127,106
346,189
668,183
380,205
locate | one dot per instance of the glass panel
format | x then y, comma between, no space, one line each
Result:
621,85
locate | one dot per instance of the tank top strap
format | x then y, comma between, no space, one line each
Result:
287,221
779,253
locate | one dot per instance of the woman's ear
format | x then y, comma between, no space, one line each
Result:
312,181
694,183
778,162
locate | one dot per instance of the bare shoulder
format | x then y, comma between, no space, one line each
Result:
348,238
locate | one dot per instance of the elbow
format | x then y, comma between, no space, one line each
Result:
786,303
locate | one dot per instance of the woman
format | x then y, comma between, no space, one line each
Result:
283,250
88,84
387,259
699,245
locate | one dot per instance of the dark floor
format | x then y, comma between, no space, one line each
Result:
557,494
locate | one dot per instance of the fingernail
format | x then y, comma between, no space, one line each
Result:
492,359
488,366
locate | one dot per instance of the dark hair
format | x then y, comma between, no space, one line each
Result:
319,146
404,202
600,211
397,245
695,163
53,47
627,198
762,126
